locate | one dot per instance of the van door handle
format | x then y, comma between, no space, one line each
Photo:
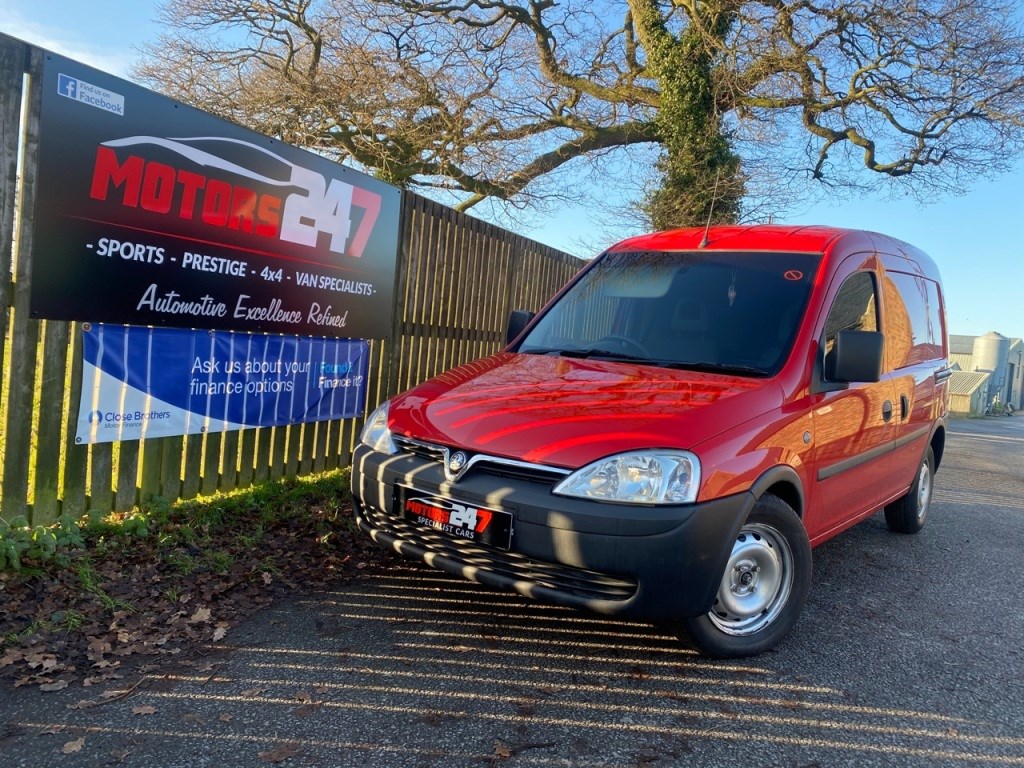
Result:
886,410
904,407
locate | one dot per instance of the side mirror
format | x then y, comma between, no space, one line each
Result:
517,322
856,356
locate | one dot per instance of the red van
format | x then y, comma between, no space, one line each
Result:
671,435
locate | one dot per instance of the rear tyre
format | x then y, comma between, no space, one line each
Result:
909,513
763,588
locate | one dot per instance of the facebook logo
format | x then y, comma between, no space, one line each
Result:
67,86
86,93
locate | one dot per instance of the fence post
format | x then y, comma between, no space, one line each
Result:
76,457
12,59
390,374
25,331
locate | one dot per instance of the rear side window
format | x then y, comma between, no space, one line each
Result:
914,332
936,325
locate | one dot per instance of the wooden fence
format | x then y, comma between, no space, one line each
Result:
457,280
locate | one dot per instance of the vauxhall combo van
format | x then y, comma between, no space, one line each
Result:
671,435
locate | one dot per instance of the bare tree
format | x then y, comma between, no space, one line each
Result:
493,99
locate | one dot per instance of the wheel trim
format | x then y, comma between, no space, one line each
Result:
757,582
924,490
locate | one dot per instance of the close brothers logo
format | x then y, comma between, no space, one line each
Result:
128,417
265,208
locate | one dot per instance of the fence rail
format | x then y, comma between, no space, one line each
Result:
458,278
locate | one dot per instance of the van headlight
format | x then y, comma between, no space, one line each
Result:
638,477
375,432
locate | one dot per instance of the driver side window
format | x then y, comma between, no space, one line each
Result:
855,309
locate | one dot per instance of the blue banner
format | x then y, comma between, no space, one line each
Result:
155,382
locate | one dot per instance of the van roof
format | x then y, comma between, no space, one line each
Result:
759,237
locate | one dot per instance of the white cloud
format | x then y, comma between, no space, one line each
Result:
64,42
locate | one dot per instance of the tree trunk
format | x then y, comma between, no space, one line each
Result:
701,175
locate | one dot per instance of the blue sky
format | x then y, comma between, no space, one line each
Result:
975,239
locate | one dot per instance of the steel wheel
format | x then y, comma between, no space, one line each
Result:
909,512
763,587
924,489
757,582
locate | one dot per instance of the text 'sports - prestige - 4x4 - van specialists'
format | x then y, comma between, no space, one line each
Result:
671,435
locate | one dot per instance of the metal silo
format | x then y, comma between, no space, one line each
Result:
990,355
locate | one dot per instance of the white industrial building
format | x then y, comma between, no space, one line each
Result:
1000,358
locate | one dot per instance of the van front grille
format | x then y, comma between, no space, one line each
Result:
482,463
423,450
565,579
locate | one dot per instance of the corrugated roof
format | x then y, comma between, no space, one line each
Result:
966,382
964,361
961,345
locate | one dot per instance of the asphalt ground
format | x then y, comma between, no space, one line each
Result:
909,653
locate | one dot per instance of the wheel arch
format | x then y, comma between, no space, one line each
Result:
938,444
784,482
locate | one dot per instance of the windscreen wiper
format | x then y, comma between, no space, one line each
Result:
604,354
712,367
587,352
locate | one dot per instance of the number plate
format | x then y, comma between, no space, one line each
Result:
457,518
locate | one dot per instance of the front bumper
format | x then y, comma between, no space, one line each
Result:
649,563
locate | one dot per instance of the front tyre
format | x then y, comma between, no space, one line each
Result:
909,512
764,586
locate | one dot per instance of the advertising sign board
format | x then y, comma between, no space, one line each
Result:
150,212
157,382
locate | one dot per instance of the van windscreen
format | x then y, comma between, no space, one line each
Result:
719,311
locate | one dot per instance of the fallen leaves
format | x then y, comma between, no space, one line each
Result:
144,709
57,685
107,697
308,706
201,615
279,754
142,600
11,657
44,662
74,746
503,750
97,647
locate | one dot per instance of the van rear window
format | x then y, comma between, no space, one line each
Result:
721,311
